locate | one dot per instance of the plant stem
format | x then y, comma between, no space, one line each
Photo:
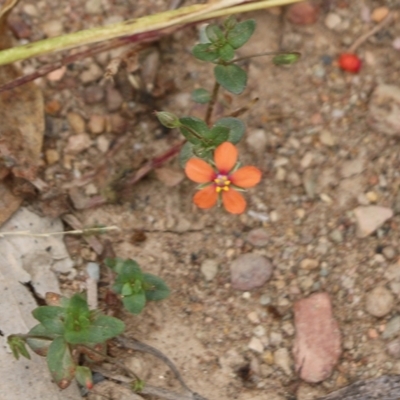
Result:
141,27
212,102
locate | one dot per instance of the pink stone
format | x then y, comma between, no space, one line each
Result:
317,346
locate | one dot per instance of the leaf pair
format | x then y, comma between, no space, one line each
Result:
134,286
221,50
226,129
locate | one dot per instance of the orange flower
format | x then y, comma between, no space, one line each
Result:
223,181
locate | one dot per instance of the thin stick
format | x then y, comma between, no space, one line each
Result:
212,102
48,234
370,33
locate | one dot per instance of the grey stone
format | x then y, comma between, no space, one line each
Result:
379,302
384,110
370,218
250,271
209,269
392,328
258,237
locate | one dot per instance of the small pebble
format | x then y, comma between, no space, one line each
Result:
389,252
379,302
336,236
93,7
250,271
76,122
114,99
309,264
332,20
327,138
78,143
258,237
283,361
209,269
92,74
93,94
257,141
253,317
256,345
392,328
379,13
102,143
96,124
52,156
393,348
370,218
52,28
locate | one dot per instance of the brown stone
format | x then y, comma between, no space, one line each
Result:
317,344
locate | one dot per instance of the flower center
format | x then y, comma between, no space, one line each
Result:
222,182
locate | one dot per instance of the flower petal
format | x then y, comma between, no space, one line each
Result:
199,171
246,177
233,201
206,198
225,157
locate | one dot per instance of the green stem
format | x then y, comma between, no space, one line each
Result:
267,53
212,102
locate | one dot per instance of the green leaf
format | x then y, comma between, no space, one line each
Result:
226,52
205,52
219,134
135,303
194,129
51,317
84,376
241,33
102,328
231,77
18,347
286,59
201,96
127,271
236,128
60,362
186,154
230,23
40,346
155,288
214,33
126,289
115,264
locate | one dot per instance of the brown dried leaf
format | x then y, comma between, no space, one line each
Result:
22,125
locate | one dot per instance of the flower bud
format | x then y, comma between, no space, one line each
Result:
168,119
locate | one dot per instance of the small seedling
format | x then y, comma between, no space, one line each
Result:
134,286
65,331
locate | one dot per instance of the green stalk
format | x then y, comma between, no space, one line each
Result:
147,24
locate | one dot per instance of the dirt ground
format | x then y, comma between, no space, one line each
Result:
310,123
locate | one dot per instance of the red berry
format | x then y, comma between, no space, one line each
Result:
349,62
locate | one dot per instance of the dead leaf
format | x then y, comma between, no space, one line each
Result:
21,129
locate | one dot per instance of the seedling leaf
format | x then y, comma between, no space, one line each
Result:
241,33
205,52
135,303
201,96
60,362
231,77
186,154
155,288
51,317
236,128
